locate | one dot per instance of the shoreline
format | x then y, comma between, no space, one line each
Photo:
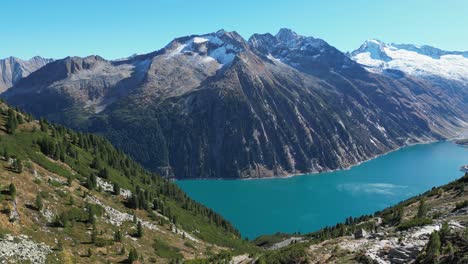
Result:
287,176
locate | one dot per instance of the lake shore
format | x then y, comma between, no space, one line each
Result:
309,203
313,173
463,134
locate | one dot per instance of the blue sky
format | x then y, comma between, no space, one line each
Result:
119,28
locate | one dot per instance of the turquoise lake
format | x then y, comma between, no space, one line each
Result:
310,202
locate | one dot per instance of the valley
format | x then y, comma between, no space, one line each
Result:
66,198
219,148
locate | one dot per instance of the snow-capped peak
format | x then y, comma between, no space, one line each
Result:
372,44
422,61
375,49
221,46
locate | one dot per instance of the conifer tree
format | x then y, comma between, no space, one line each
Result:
91,216
104,173
132,256
60,245
12,190
444,231
94,235
116,189
20,119
17,166
38,202
422,209
6,155
118,236
12,122
433,248
139,230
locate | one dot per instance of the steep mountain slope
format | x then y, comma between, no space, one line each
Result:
68,197
216,105
13,69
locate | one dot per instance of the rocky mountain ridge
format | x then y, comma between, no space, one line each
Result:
13,69
216,105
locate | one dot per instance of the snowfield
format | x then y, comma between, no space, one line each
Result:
422,61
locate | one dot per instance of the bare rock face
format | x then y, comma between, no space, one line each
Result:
12,70
217,106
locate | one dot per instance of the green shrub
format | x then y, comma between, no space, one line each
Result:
54,183
291,254
414,222
166,251
189,245
101,242
461,205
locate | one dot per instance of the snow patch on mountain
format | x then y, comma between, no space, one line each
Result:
206,49
199,40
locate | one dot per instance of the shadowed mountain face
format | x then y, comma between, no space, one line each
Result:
13,69
217,106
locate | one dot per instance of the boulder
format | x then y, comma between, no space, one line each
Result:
360,233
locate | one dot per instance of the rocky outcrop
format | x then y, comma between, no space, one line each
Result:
108,187
286,242
117,218
14,214
360,233
22,249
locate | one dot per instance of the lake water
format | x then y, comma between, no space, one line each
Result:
310,202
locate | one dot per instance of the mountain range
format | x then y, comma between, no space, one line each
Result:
13,69
422,61
219,106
